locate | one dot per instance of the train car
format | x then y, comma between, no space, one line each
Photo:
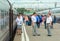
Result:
4,20
54,11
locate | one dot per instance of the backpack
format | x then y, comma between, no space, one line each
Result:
40,19
29,22
37,18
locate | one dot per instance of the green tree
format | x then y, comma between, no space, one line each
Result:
21,10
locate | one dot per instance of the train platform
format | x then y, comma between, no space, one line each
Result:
27,34
17,38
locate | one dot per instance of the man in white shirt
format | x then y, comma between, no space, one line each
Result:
19,21
49,23
34,25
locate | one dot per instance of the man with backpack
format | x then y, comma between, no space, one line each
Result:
38,21
34,25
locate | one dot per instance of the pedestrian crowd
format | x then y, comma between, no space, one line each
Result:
35,21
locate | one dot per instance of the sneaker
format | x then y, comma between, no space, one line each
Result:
49,35
38,34
34,35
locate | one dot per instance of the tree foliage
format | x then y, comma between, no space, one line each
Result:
21,10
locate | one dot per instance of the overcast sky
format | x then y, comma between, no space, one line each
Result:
35,3
39,0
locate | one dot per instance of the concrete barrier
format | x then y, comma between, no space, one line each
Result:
24,34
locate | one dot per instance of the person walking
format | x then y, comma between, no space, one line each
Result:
26,19
48,23
54,19
38,21
34,25
45,21
19,22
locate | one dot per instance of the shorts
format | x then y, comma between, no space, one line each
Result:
19,26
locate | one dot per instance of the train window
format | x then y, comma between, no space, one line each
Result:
0,18
0,14
4,22
4,19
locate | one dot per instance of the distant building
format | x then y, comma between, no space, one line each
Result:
29,9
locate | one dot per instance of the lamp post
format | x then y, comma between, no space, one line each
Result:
10,22
55,4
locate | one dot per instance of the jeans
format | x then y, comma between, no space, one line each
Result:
35,29
45,24
26,22
38,24
48,28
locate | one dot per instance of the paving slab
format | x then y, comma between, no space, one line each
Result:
43,33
